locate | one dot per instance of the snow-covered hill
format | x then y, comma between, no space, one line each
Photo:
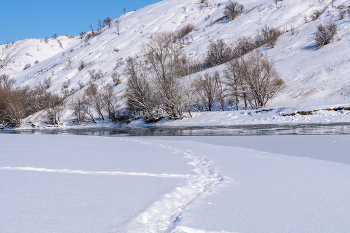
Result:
312,76
15,56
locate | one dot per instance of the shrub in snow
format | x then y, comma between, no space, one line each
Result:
180,34
325,34
243,46
232,10
27,66
82,66
95,75
268,36
205,2
218,53
82,34
316,14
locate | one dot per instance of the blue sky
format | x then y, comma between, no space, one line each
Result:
23,19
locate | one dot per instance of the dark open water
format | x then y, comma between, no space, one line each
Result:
242,130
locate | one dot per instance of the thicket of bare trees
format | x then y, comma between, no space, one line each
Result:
156,87
103,102
18,103
219,52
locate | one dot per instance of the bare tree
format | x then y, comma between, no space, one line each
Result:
107,21
124,10
260,78
54,36
6,83
117,24
235,81
110,104
94,99
79,106
139,94
55,107
99,24
220,93
232,10
82,34
325,34
164,58
92,30
207,88
116,79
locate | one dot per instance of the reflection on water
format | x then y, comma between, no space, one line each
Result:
242,130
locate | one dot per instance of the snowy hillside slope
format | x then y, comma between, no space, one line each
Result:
15,56
312,76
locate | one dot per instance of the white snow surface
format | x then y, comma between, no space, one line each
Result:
174,184
312,76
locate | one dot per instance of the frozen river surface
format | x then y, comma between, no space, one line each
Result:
66,183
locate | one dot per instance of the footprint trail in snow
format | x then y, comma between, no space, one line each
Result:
164,215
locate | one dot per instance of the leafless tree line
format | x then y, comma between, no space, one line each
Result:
18,103
103,102
157,88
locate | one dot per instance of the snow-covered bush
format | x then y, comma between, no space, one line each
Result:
325,34
233,9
